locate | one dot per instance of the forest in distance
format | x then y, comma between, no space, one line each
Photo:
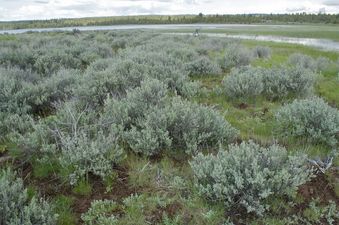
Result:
297,18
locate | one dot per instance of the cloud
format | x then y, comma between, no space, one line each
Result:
298,9
46,9
126,10
42,2
79,7
147,0
331,2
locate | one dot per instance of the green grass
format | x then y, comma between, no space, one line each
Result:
281,51
31,191
255,118
141,172
3,148
254,121
44,169
63,207
7,37
327,87
82,188
327,83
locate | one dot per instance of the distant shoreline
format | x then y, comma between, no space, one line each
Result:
246,19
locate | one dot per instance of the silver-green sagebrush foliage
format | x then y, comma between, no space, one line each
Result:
16,208
274,83
262,52
317,214
138,102
101,212
75,139
180,125
194,127
81,142
22,94
280,82
150,121
311,119
74,103
247,175
165,66
236,56
203,66
245,82
114,81
307,62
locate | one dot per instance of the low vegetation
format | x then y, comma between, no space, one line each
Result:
17,207
136,127
312,119
246,175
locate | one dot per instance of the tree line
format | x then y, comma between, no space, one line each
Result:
176,19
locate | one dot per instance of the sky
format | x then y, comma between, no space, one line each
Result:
47,9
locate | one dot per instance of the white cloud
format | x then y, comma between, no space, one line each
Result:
331,2
46,9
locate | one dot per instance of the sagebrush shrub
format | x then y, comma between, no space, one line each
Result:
74,138
101,65
281,82
236,56
166,67
203,66
47,54
113,78
82,143
11,91
307,62
129,113
247,174
85,153
311,119
100,213
208,44
262,52
41,96
16,208
22,94
180,125
14,108
151,122
317,213
179,48
194,127
13,123
301,60
243,83
17,55
113,81
322,63
274,83
138,102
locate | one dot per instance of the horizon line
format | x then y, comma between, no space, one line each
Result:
145,15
